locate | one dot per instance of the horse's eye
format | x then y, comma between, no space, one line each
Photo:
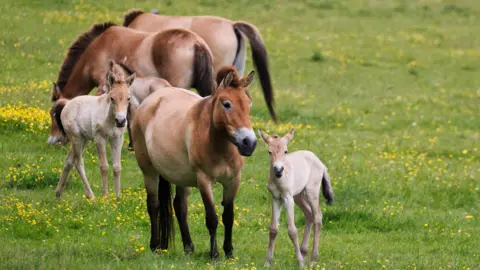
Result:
227,105
270,153
111,99
286,152
128,98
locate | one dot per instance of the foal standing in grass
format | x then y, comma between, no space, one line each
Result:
296,177
97,118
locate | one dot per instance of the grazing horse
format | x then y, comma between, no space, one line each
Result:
224,37
97,118
177,55
189,141
296,177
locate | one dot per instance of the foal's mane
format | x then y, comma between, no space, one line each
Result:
76,50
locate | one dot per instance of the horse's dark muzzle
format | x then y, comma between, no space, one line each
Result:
247,146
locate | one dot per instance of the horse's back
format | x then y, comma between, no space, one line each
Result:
77,115
308,168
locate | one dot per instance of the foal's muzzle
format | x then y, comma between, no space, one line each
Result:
245,140
278,171
120,119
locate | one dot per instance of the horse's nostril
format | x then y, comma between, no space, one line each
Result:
245,142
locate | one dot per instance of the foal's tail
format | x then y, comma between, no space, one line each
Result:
260,59
203,79
327,188
165,227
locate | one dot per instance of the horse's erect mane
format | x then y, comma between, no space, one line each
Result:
76,50
236,82
131,15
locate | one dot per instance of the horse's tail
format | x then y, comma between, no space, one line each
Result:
203,79
260,59
327,188
131,15
165,227
57,112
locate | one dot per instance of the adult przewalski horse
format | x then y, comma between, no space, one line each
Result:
224,37
177,55
189,141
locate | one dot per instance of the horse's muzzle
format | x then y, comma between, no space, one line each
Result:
245,140
278,171
120,122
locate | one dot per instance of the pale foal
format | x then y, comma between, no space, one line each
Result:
296,177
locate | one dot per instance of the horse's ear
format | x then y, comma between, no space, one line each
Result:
110,79
55,92
265,137
227,80
248,80
111,63
289,136
130,79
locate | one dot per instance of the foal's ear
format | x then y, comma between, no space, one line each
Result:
55,92
248,80
130,79
265,137
110,78
289,136
227,80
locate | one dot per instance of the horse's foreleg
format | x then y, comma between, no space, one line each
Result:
116,143
292,229
129,125
229,193
204,183
303,204
67,168
276,208
151,186
101,145
180,204
78,148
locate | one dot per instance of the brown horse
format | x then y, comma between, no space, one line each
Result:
189,141
224,37
177,55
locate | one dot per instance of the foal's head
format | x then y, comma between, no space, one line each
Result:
231,109
277,149
117,91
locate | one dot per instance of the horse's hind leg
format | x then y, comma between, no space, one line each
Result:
303,204
67,168
102,155
151,185
317,225
78,148
180,204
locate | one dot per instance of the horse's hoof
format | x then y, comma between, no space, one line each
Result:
268,263
189,249
214,255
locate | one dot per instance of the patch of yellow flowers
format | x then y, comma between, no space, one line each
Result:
32,119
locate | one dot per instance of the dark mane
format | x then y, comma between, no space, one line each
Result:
236,82
76,50
131,15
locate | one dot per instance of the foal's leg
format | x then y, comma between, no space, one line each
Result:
276,208
303,204
67,168
229,193
78,147
292,229
101,145
180,204
317,225
204,183
151,185
117,143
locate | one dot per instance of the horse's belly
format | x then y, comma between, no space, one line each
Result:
174,168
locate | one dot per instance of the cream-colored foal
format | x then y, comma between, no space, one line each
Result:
296,177
97,118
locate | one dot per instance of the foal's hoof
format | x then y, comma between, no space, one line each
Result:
268,263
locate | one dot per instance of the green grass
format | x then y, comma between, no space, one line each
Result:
385,92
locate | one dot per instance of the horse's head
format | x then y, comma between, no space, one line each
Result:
57,99
231,109
277,149
118,92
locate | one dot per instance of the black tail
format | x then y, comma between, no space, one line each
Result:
203,79
260,59
166,229
57,112
327,188
131,15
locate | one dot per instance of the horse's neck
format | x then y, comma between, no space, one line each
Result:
77,85
105,110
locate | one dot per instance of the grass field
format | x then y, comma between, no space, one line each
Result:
386,93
